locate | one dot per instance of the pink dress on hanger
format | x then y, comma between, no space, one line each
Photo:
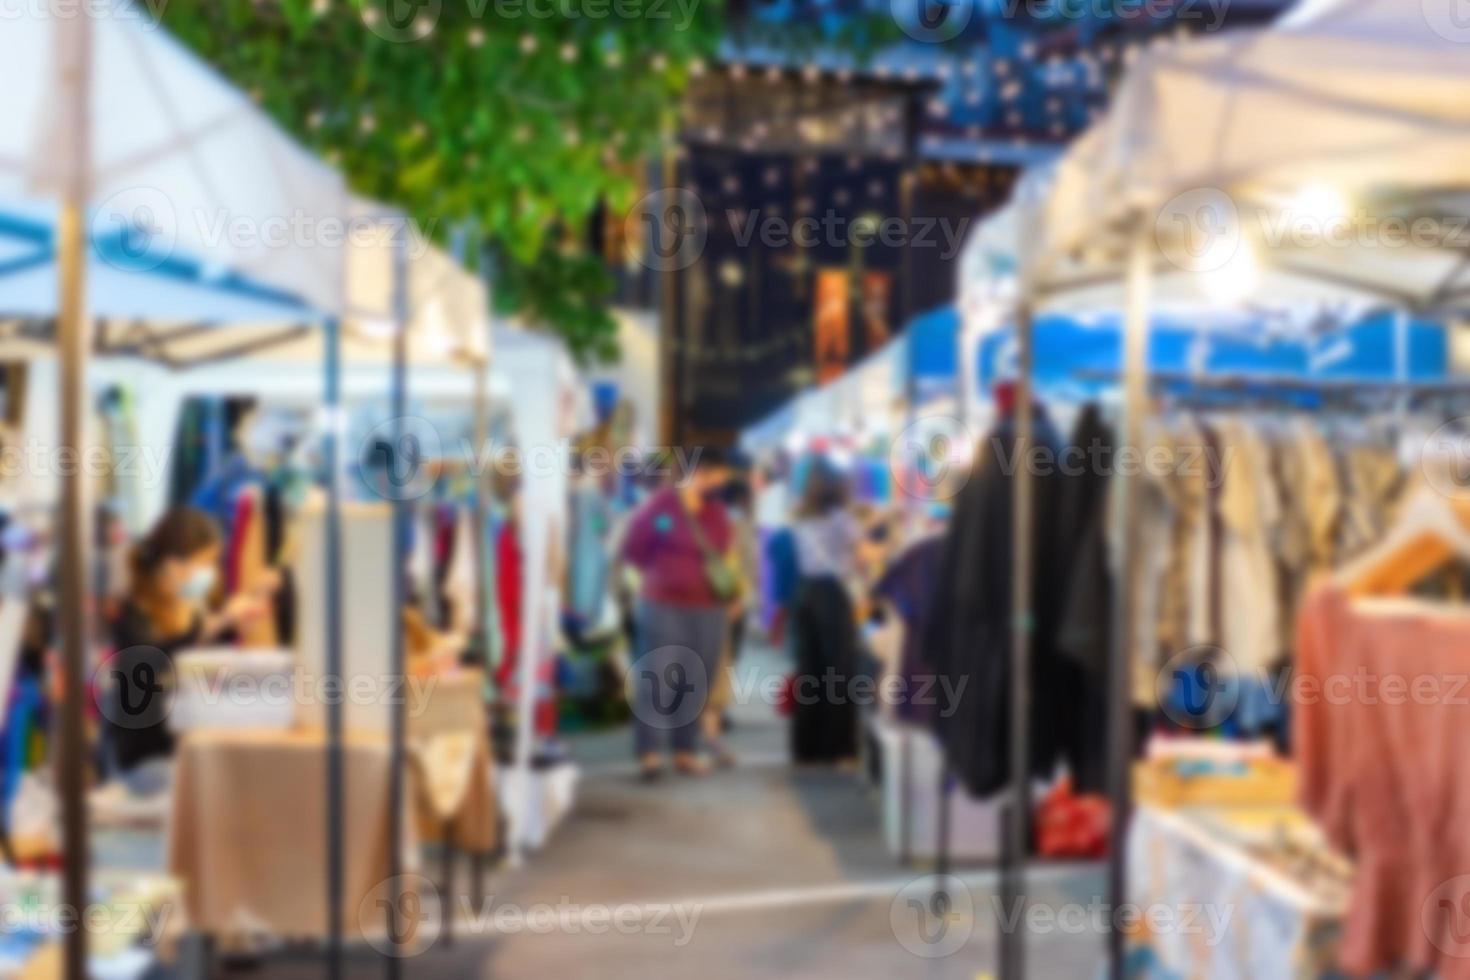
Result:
1382,740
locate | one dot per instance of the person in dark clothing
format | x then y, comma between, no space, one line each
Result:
173,575
824,720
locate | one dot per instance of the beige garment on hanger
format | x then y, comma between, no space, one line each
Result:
1250,510
459,578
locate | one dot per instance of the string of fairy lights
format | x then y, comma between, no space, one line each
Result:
761,140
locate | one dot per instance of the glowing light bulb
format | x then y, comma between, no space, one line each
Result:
1230,278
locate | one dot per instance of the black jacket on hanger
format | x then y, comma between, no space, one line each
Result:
970,628
1085,633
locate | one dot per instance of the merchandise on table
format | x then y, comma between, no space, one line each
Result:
1233,904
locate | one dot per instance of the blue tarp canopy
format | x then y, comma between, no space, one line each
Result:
933,350
130,275
1079,358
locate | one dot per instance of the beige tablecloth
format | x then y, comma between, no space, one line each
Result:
247,825
247,831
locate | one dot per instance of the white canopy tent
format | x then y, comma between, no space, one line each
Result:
535,373
171,309
140,192
170,144
1286,164
1326,150
771,431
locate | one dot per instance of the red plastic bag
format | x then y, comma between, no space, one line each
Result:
786,696
1072,826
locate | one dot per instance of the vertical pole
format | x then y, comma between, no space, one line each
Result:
535,513
479,500
1401,361
331,449
1120,688
945,799
1017,828
906,798
669,316
397,593
487,612
74,55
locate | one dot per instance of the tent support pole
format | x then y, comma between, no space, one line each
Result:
1120,691
74,50
331,450
397,589
480,499
1017,827
1402,325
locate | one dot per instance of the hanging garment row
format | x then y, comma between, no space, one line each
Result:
1240,512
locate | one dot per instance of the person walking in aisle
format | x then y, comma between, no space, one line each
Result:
828,538
679,542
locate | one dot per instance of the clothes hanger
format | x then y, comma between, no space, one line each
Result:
1432,529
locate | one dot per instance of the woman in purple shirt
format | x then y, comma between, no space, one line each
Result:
676,541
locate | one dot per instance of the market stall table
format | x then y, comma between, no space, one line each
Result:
1261,866
247,825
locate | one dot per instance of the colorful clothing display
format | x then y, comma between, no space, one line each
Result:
587,552
1381,738
908,586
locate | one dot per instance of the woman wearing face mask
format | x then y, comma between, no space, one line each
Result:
174,571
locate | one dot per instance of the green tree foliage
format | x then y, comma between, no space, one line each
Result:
514,118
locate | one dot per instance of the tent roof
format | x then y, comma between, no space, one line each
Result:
173,144
207,222
1351,122
162,305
